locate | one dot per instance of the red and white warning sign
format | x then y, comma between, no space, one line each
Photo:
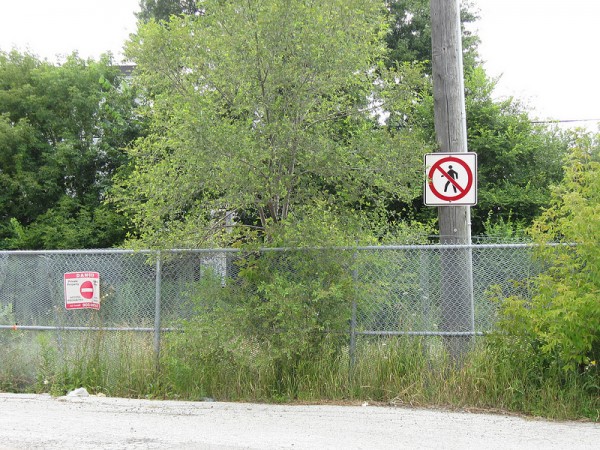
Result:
451,179
82,290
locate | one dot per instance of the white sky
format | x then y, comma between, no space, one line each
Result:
55,28
547,53
545,50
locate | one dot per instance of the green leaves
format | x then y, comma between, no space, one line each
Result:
517,160
563,317
62,130
259,108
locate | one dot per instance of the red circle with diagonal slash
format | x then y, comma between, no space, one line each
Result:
462,191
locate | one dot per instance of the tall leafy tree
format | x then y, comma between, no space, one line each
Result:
265,108
518,161
409,38
62,131
560,324
162,10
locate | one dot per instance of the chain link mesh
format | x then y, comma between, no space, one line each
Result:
427,289
404,289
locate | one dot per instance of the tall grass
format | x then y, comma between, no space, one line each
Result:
396,371
113,363
17,361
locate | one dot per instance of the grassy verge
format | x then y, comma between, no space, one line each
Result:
396,371
114,363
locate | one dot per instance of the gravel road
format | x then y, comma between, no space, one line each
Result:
42,422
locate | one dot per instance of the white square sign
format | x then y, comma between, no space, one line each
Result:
451,179
82,290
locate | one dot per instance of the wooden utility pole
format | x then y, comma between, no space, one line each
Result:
457,319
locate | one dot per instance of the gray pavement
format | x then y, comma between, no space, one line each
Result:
43,422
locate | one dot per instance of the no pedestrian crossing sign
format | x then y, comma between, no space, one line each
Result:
451,179
82,290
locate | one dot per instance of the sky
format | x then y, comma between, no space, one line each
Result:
544,51
52,29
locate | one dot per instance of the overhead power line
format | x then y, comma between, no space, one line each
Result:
564,121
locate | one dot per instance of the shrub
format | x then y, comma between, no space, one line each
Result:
562,320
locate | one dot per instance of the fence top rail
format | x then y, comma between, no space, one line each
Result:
458,246
74,252
115,251
277,249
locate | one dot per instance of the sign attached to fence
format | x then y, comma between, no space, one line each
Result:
451,179
82,290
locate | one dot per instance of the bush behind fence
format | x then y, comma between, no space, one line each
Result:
380,290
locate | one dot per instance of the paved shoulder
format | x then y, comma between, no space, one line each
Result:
40,421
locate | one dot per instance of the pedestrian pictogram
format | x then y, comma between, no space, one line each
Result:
452,175
82,290
451,179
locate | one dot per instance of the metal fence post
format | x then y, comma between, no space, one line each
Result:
424,287
157,309
353,317
472,289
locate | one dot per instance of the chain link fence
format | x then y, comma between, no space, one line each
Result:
436,290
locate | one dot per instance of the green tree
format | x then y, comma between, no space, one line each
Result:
162,10
268,109
409,39
62,133
517,161
562,320
259,107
